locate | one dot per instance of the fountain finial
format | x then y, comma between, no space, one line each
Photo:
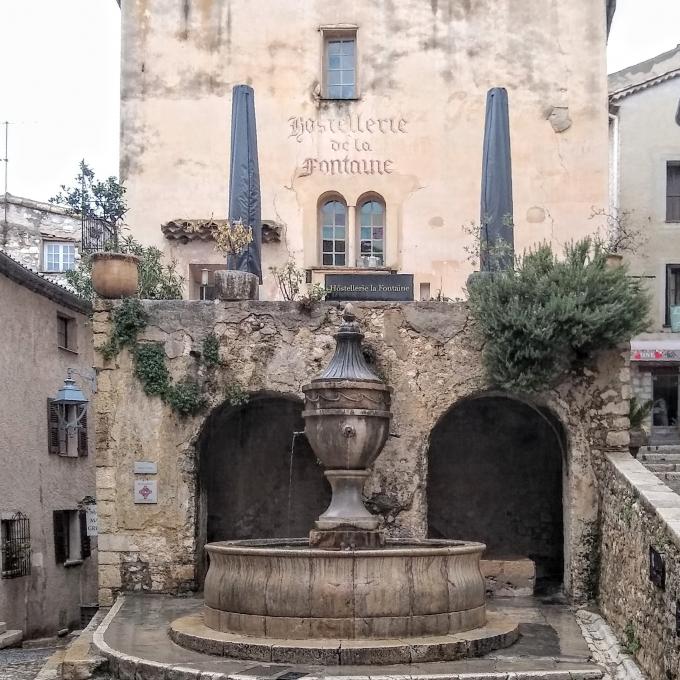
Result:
348,313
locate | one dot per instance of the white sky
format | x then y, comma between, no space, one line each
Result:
59,81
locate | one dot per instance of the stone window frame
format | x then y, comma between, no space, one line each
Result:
672,290
71,543
344,34
62,264
673,191
364,200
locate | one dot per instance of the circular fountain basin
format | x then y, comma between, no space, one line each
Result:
285,589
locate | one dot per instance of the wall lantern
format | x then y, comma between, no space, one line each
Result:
70,404
657,568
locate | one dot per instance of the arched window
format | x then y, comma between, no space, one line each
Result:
334,233
372,232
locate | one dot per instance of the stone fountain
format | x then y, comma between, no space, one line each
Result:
348,594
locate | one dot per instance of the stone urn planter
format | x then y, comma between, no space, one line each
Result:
232,285
614,260
115,275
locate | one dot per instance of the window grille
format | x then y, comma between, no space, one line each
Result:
16,546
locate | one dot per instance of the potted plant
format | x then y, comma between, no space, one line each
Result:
617,236
638,414
102,206
231,239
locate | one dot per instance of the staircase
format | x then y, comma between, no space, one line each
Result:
664,462
9,638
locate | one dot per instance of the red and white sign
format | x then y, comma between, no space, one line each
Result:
146,491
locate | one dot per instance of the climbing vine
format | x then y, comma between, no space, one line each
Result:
129,319
211,351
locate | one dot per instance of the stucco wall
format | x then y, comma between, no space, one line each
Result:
639,511
649,137
428,352
31,480
423,65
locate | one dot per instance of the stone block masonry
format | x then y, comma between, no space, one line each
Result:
428,352
638,513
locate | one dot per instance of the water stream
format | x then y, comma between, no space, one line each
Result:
290,478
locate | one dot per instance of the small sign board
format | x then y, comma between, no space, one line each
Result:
356,287
91,520
675,319
146,491
145,467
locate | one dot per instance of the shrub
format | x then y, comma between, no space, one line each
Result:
549,315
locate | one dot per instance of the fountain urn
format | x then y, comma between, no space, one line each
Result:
347,422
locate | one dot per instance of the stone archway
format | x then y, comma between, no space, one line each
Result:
496,475
256,478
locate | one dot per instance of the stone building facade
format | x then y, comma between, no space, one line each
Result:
645,178
370,120
41,236
238,469
49,571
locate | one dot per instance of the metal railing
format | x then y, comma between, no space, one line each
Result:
97,235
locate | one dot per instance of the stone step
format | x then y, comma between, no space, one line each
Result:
3,627
670,479
509,577
645,456
662,467
11,638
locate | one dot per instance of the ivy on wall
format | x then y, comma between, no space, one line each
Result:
186,397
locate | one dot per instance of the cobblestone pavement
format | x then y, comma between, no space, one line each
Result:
23,664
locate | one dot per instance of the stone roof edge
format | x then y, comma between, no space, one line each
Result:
649,489
37,205
624,92
39,283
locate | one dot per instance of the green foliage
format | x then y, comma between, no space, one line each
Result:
638,412
548,316
151,370
211,351
632,643
129,319
80,279
92,197
236,395
289,278
185,398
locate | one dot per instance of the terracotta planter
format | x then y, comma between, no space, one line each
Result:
638,439
115,275
614,260
232,285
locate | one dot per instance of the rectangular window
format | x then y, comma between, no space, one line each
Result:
15,545
672,289
673,191
71,542
66,332
59,256
340,70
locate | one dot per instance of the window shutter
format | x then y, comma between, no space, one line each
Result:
85,546
53,433
82,432
60,537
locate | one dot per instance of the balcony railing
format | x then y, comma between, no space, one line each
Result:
97,235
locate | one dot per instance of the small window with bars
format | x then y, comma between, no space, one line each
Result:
15,545
71,542
372,233
59,256
673,191
340,74
63,441
334,233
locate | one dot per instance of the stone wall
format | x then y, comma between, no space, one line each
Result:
29,223
638,512
428,352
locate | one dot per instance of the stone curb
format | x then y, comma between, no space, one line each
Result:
80,662
125,667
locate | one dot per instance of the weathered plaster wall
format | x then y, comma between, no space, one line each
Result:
639,511
32,481
428,352
426,65
29,224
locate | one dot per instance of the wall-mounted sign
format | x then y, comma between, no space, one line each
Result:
655,355
346,287
146,491
91,520
145,467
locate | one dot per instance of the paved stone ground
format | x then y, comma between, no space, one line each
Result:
23,664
